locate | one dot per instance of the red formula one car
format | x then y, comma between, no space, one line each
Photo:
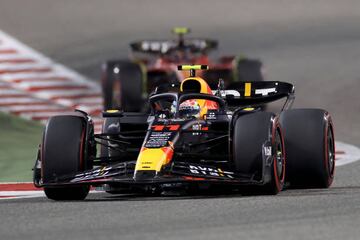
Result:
153,65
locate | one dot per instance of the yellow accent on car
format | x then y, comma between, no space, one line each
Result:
192,67
153,159
202,82
112,111
247,90
249,109
181,30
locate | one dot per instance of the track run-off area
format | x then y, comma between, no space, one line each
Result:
313,44
34,87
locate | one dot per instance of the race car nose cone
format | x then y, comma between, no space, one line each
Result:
144,175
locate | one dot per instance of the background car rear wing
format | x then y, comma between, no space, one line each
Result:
254,93
165,46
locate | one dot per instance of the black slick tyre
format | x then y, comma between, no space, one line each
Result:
248,70
63,152
122,85
251,132
310,147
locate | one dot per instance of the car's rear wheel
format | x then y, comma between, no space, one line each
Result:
258,135
122,84
65,151
310,147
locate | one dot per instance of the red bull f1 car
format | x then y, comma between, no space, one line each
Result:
193,137
153,65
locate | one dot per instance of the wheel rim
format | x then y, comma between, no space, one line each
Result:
280,157
331,152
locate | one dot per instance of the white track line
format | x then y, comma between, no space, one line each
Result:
85,100
6,195
35,108
19,66
48,83
20,100
350,153
39,77
6,92
20,194
43,115
14,56
13,77
25,50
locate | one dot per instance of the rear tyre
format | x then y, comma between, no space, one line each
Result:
310,148
251,133
122,84
249,70
65,151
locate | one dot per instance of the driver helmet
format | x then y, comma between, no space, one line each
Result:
190,109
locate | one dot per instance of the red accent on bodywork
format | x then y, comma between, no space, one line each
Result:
158,127
173,127
169,152
194,178
162,127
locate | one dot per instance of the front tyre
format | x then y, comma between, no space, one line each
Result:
257,135
66,150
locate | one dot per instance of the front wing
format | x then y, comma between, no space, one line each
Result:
177,172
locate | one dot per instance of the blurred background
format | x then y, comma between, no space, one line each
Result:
313,44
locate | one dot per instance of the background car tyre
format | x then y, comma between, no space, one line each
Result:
251,132
64,151
310,147
248,70
122,84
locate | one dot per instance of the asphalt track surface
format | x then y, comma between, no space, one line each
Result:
314,44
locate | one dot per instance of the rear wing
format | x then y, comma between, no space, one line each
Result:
257,93
164,46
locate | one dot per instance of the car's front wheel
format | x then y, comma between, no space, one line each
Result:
65,151
257,136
